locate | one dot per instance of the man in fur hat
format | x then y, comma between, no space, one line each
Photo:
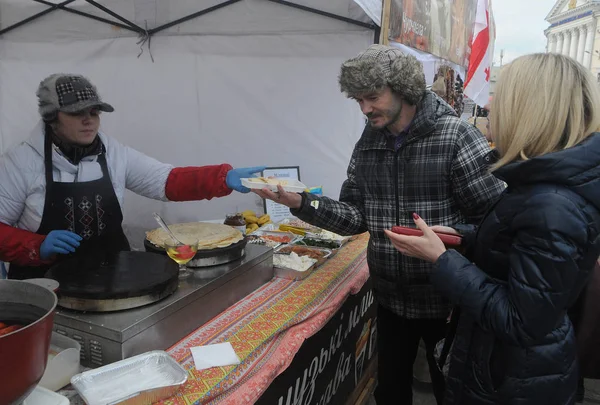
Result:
415,156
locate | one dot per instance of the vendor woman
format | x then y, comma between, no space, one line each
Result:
62,190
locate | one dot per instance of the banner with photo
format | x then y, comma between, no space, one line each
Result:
443,28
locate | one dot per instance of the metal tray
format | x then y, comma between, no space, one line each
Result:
302,227
318,235
139,380
291,222
335,244
314,232
293,237
327,253
291,274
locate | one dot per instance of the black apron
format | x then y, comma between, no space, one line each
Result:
90,209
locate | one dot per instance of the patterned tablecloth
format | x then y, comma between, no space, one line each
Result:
267,329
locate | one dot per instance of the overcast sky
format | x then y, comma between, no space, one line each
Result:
520,26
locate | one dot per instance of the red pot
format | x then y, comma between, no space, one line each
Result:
24,353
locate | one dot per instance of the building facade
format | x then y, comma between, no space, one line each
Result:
573,31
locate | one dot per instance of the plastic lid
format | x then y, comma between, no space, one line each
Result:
45,282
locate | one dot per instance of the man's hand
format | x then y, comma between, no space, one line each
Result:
292,200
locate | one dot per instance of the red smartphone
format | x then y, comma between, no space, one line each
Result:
448,239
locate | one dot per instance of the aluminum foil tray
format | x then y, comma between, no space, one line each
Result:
313,241
322,236
295,222
139,380
291,274
254,238
327,253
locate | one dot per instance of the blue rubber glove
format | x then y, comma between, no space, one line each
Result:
59,242
234,177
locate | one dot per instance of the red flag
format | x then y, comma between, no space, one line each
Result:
477,85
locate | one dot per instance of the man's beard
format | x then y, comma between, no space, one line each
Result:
393,113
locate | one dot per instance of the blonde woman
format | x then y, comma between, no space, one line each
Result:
533,252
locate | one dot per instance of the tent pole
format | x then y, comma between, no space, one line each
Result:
83,14
376,38
135,28
385,23
325,14
117,16
35,16
191,16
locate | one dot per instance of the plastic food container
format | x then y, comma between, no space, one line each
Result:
43,396
291,186
139,380
63,362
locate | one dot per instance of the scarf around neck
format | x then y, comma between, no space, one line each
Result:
75,153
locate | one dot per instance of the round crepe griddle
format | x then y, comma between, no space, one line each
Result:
117,276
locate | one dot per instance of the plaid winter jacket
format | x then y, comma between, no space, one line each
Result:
439,172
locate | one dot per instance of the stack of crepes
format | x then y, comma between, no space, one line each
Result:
207,235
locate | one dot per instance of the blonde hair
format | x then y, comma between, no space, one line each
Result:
543,103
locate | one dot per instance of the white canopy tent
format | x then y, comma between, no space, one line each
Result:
248,82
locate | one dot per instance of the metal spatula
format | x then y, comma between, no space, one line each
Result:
164,226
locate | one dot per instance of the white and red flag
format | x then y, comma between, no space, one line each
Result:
477,85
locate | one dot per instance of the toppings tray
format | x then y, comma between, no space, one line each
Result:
272,239
296,239
292,266
318,243
318,254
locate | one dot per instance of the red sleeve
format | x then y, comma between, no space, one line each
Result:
197,183
20,247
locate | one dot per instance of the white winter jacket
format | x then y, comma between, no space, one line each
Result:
23,182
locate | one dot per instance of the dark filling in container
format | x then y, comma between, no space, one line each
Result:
16,316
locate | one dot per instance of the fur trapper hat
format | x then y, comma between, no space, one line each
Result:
380,66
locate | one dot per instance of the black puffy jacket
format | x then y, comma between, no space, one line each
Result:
530,258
